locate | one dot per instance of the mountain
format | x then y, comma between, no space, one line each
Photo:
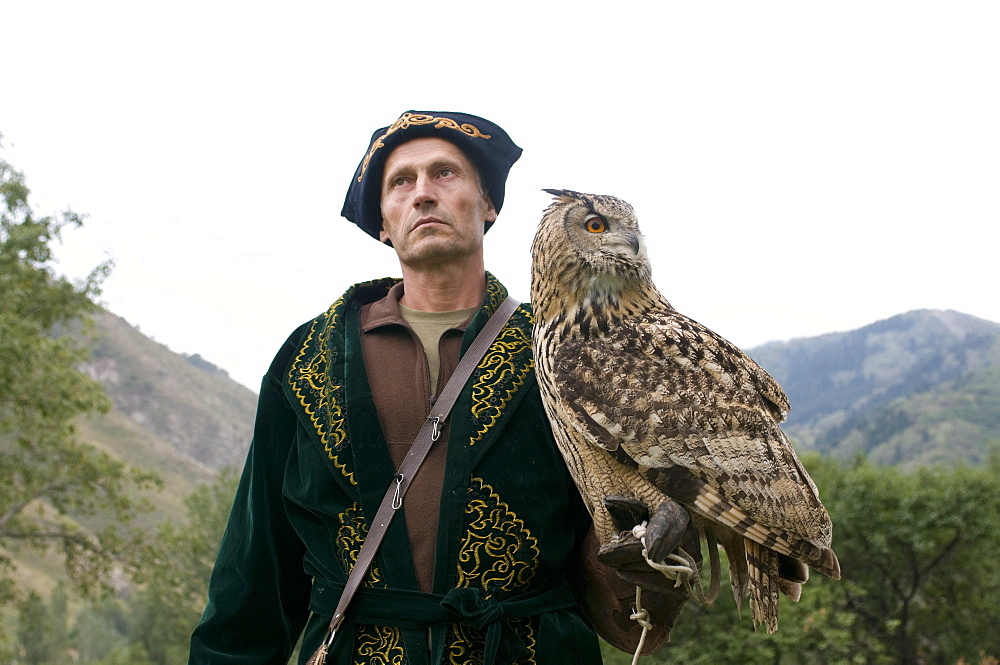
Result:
918,388
178,415
184,400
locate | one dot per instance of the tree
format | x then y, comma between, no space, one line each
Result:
41,628
58,629
177,570
56,492
922,579
152,624
32,622
100,630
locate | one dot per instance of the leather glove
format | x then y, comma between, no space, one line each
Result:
608,601
667,529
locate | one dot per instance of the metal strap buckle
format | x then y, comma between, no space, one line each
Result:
436,427
397,498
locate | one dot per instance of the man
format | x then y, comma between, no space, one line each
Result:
492,528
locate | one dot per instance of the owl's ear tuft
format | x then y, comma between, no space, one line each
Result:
564,195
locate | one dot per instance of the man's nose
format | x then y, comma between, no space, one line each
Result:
423,192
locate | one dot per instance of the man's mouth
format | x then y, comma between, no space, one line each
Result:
423,221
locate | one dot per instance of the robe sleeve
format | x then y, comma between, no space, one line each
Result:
258,596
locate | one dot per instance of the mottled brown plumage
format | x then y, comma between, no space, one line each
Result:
649,404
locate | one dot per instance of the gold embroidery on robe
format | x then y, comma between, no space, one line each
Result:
350,536
501,373
310,379
499,556
378,645
504,368
319,390
381,645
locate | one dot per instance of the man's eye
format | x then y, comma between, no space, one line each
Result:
399,182
446,172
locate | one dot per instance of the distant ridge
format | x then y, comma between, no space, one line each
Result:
884,389
182,400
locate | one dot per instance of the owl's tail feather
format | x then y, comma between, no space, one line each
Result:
762,565
791,589
792,574
755,572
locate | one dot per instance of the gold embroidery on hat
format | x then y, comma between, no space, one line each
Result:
408,119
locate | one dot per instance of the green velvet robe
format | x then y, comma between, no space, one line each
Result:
317,469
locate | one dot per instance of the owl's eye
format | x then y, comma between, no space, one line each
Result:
595,224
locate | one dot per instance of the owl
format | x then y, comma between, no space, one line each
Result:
647,405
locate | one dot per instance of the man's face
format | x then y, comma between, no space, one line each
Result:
433,207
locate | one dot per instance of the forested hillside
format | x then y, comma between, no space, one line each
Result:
919,388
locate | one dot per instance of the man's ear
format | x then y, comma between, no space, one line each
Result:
383,236
491,211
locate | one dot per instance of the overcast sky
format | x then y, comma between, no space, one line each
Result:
798,167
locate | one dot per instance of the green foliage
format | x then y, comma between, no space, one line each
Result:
41,628
35,648
50,483
916,550
57,631
152,625
179,563
132,654
100,630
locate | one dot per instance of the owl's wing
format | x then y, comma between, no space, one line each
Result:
699,419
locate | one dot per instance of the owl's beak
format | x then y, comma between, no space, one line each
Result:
633,242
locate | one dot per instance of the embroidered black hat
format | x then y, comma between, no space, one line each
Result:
485,143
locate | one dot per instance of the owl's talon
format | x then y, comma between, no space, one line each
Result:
666,527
